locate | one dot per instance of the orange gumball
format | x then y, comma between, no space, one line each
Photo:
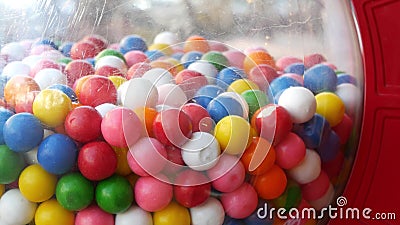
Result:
165,65
196,43
271,184
147,115
259,156
18,89
255,58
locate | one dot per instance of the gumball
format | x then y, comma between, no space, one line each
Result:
138,92
134,213
331,107
308,170
325,200
46,42
333,167
51,212
111,61
18,87
94,215
152,194
2,189
228,174
172,127
11,165
241,85
285,61
117,80
171,215
329,147
66,90
262,75
40,49
122,161
36,184
205,94
259,157
320,78
235,58
97,90
158,76
196,43
171,95
222,106
296,68
22,132
97,160
228,75
162,47
100,42
5,114
109,71
281,83
345,78
190,57
132,42
83,50
146,116
296,77
134,57
207,69
83,124
57,154
344,129
154,55
291,198
114,194
233,143
217,59
316,188
104,108
255,99
190,82
51,107
299,102
201,151
255,58
79,83
313,131
313,59
121,127
74,192
271,184
210,212
201,120
15,208
166,37
290,151
241,202
351,98
47,77
191,188
15,68
147,157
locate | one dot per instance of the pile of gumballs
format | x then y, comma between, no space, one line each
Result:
172,133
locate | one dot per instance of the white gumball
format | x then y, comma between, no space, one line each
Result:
15,209
166,37
112,61
205,68
351,97
159,76
210,212
49,76
138,92
172,95
135,215
299,102
16,68
308,169
14,51
104,108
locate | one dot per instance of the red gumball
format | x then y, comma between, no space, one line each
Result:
97,160
109,71
190,81
262,75
135,56
290,151
172,127
44,64
201,120
344,128
316,188
99,41
175,162
97,90
84,50
192,188
83,124
272,122
77,69
138,69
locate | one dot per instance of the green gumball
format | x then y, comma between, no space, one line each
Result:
11,165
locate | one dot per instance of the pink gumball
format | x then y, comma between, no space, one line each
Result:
290,151
121,127
285,61
235,58
44,64
152,194
228,174
313,59
133,57
316,188
190,81
94,215
240,203
262,75
147,156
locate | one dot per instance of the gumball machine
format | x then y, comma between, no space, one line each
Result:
165,112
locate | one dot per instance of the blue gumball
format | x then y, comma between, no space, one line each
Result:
320,78
230,221
261,216
190,57
177,55
281,83
154,54
329,147
4,115
57,154
228,75
131,43
313,131
91,61
297,68
346,78
22,132
206,93
47,42
222,106
65,48
66,90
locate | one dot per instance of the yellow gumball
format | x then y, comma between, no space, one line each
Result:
233,134
242,85
51,212
177,64
2,189
117,80
164,48
123,168
36,184
331,107
51,106
173,214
